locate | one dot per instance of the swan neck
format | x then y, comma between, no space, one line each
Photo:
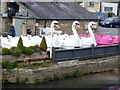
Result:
74,30
90,30
52,27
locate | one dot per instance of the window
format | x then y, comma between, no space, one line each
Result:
116,19
108,9
91,4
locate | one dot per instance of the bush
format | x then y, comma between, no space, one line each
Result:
5,51
36,48
9,65
76,73
32,48
23,49
16,51
110,14
27,50
12,50
20,43
43,45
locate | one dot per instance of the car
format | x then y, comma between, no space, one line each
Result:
111,22
101,19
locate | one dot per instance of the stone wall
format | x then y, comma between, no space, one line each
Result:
65,26
28,24
6,24
60,70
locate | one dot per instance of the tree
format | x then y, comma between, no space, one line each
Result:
43,44
20,43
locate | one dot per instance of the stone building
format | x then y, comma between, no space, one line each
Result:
7,11
42,13
92,6
105,6
64,13
3,21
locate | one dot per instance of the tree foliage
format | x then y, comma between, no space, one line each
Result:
20,43
43,45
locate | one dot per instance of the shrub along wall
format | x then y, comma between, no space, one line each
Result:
17,51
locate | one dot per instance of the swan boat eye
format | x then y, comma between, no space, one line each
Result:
93,24
77,24
56,23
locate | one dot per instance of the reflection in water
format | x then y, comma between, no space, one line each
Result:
103,81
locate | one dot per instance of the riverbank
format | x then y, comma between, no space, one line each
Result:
98,81
60,70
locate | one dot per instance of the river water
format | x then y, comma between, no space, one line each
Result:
98,81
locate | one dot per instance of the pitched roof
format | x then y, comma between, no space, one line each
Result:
59,10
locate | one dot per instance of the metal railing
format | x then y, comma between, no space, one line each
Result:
84,53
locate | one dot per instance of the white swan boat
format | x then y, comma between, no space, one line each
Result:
53,39
74,41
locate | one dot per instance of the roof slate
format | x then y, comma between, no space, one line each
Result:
58,10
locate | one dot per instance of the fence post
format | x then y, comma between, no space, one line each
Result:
73,55
53,54
105,51
92,51
119,48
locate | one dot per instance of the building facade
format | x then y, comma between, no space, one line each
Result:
44,13
109,7
104,6
91,6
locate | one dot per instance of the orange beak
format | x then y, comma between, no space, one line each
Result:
58,27
78,26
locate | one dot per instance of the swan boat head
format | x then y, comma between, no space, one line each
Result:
75,23
90,27
52,27
91,24
71,41
54,23
88,41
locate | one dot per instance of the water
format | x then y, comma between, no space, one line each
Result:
98,81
